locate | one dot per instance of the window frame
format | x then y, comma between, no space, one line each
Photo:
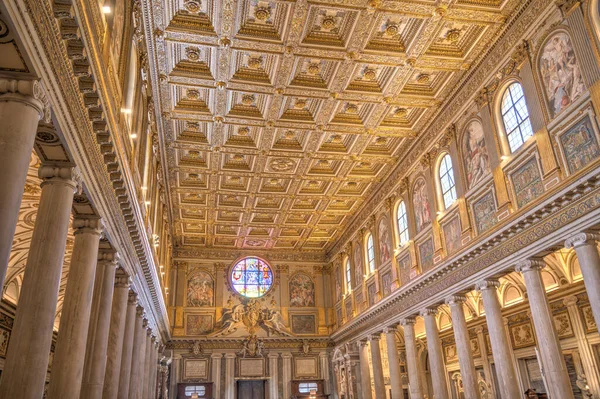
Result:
518,131
370,250
348,276
449,174
402,232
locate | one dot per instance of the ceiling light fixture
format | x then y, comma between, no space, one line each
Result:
133,135
126,110
106,10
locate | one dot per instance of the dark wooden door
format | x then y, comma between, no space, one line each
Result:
251,389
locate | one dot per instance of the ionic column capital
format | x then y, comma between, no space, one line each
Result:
30,92
139,311
581,239
148,332
133,298
570,300
487,285
87,224
528,265
144,323
479,329
363,342
429,312
374,337
455,300
108,257
391,329
60,174
408,321
216,355
274,356
122,278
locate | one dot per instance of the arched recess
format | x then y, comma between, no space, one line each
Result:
421,204
474,153
510,294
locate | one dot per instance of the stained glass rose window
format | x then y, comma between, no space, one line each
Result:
251,277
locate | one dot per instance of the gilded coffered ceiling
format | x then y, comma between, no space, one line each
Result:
278,118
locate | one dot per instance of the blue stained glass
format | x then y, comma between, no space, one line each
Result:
251,277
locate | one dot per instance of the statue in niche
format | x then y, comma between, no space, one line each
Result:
252,347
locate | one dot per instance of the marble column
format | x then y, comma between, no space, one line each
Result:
216,373
324,361
377,365
65,381
463,347
20,112
365,372
485,360
552,360
394,361
147,364
97,343
128,333
116,333
412,361
583,344
286,374
138,357
586,248
273,374
26,362
230,376
501,348
436,355
154,369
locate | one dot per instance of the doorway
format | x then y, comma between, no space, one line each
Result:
251,389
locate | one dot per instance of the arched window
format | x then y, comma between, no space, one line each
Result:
515,116
402,219
371,253
447,183
348,277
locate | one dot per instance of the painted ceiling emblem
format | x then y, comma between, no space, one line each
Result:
192,53
193,6
262,13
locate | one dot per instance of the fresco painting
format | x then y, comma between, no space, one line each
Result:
580,145
484,212
302,291
452,235
421,204
475,154
384,241
200,290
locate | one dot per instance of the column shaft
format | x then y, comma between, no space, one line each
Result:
365,373
273,374
552,360
585,245
127,352
28,352
216,373
137,358
147,364
114,351
412,361
65,381
463,347
19,116
436,355
501,349
286,375
230,376
394,362
95,361
377,366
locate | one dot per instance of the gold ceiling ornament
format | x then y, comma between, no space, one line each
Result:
194,154
392,29
401,112
381,140
336,139
248,99
192,53
254,62
352,109
193,6
225,41
220,85
314,68
192,94
369,73
453,35
243,131
313,184
218,119
300,104
262,13
328,22
424,78
281,165
279,91
411,62
238,157
289,134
